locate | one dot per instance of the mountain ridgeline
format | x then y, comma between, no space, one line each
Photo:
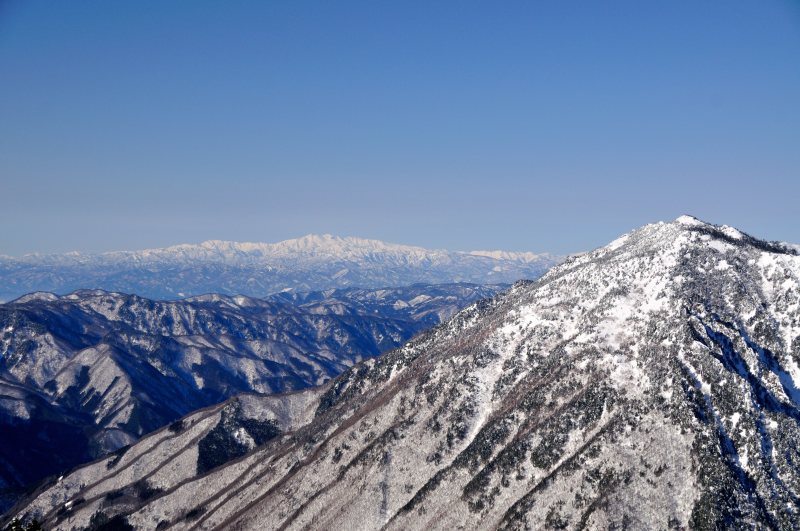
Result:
310,263
651,384
85,374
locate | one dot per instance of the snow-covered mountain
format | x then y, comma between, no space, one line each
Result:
86,373
653,383
309,263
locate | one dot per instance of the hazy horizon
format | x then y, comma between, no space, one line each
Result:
344,236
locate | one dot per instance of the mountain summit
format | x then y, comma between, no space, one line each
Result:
309,263
651,383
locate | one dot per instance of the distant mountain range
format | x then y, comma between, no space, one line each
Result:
309,263
87,373
650,384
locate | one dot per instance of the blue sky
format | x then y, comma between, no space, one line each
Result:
535,125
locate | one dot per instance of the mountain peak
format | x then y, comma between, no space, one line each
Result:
691,221
689,231
686,219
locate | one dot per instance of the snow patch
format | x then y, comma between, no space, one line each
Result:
793,370
744,459
619,242
419,300
730,232
243,438
718,245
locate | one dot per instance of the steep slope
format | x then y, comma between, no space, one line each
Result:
652,383
259,269
205,439
96,370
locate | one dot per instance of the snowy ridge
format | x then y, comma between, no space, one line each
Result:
318,245
514,256
310,263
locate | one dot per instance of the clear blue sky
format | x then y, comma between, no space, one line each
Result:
530,125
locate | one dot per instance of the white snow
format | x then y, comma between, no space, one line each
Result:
744,459
619,242
731,232
525,257
689,221
718,245
243,438
792,368
419,300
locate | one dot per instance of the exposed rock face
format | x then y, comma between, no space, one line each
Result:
310,263
86,373
651,384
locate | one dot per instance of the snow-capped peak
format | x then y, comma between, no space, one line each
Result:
689,220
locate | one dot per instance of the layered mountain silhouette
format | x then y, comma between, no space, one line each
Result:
310,263
652,383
